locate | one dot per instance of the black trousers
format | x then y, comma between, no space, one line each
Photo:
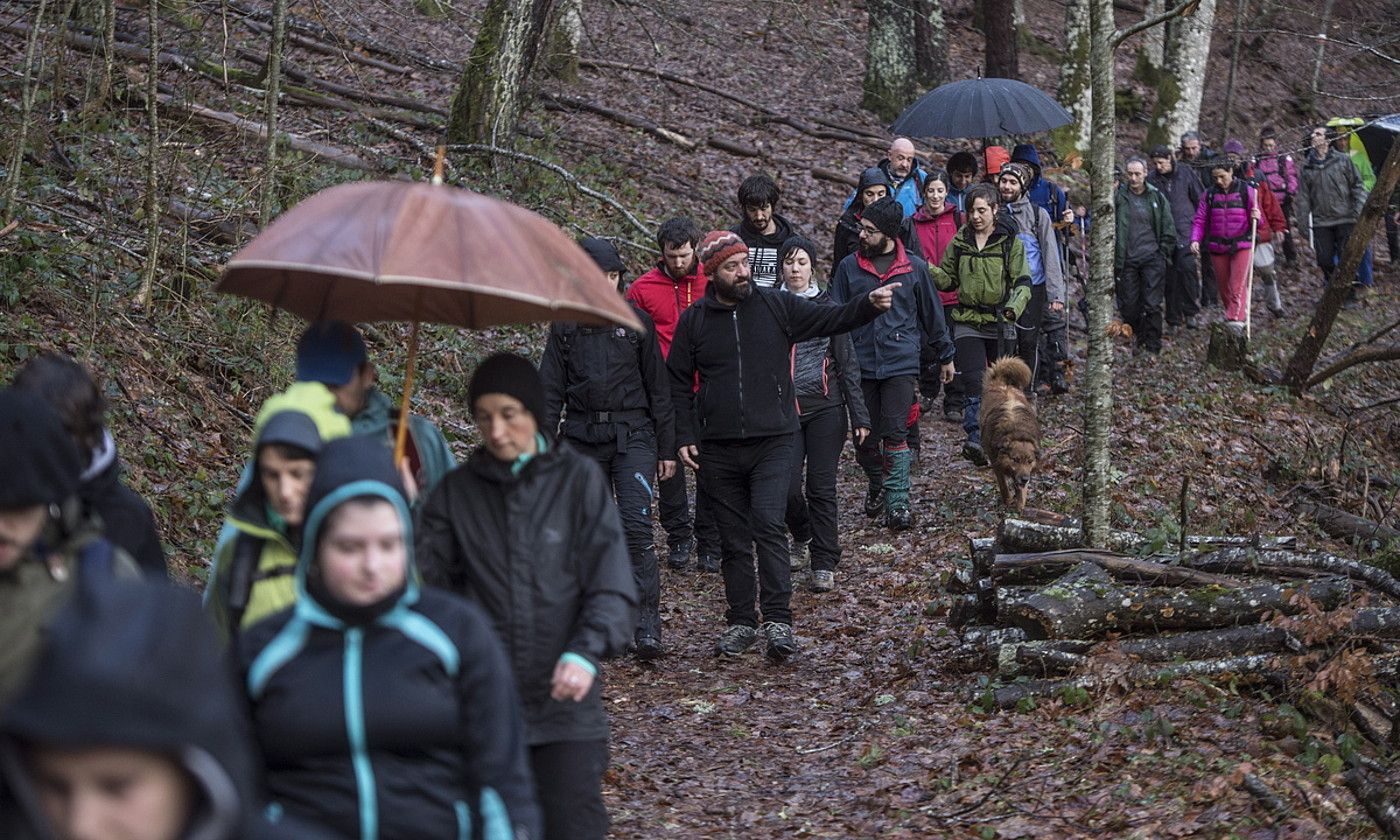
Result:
1054,345
1183,286
1028,330
888,402
812,515
1290,248
931,372
1210,290
975,355
1328,243
748,484
1392,233
675,513
1140,287
569,783
631,470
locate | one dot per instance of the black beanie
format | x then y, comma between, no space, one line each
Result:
514,376
38,459
604,254
798,243
886,215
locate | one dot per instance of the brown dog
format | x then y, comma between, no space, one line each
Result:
1010,430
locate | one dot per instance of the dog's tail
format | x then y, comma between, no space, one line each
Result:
1010,371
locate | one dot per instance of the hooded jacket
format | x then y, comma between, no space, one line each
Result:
268,556
607,381
988,280
428,454
1037,233
847,236
126,518
825,374
931,236
763,249
1042,193
1160,216
909,190
664,299
1222,221
890,345
1183,191
395,720
540,547
136,666
743,356
1330,190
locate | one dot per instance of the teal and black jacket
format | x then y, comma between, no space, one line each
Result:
392,722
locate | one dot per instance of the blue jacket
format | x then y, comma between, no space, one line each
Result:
889,346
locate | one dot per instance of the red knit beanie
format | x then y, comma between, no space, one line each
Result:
718,246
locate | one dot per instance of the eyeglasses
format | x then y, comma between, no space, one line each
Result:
869,230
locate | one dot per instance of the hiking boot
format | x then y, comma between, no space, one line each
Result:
781,644
735,640
823,580
1058,384
648,648
874,499
952,413
972,451
899,519
799,554
679,557
1272,299
1193,322
708,561
925,405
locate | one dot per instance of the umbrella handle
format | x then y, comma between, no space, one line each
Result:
401,437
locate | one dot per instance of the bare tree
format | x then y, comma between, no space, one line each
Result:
1179,91
1003,53
1321,44
152,208
930,44
890,82
1240,7
26,111
274,88
565,35
1075,92
490,97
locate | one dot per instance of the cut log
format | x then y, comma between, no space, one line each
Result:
1045,658
1009,696
1344,526
964,610
1087,608
980,646
1247,560
733,148
1048,517
1228,350
1209,644
983,551
1028,568
960,581
1027,536
1374,797
1381,622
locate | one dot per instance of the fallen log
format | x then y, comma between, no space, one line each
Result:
1247,560
1029,568
1008,696
1372,796
1044,658
1027,536
1383,622
733,147
330,154
821,173
1345,526
1079,606
1051,657
324,48
561,102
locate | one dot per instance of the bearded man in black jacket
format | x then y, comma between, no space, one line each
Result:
737,429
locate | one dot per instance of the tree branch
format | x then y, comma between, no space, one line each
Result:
1186,7
1371,354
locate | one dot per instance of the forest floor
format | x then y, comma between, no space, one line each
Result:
867,733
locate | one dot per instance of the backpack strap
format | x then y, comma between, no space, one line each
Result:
247,550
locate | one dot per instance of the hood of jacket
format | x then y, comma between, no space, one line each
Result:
872,176
1026,153
136,665
915,169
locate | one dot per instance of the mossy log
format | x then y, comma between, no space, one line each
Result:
1081,606
1338,523
1248,560
1374,797
1053,657
1228,349
1009,696
1023,535
1041,566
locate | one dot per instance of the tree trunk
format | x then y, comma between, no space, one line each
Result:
1374,795
1241,6
565,35
1076,92
1300,367
26,112
1227,350
1321,43
1098,375
930,44
1338,523
489,99
145,294
109,41
1002,55
889,83
1029,568
1083,606
1154,42
1051,657
1178,106
1248,560
274,86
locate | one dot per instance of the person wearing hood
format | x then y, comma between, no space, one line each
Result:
609,385
333,353
738,429
48,546
253,574
1330,197
826,379
70,390
906,174
1343,130
130,728
382,709
874,184
889,350
1054,333
1037,233
931,232
986,266
527,528
763,228
663,293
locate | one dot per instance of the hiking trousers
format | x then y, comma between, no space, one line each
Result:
675,513
811,504
1028,330
1230,274
748,481
569,783
1183,286
1140,288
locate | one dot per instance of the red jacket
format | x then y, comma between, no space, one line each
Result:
664,299
1271,218
934,233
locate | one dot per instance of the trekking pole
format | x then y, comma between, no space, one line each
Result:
1249,276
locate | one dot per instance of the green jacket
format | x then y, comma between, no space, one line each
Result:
34,587
1163,225
429,451
314,400
988,280
271,554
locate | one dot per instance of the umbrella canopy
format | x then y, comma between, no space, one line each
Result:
400,251
981,108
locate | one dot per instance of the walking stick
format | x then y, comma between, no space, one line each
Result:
1249,276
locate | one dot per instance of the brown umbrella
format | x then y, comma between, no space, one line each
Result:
402,251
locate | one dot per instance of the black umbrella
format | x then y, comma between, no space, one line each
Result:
981,108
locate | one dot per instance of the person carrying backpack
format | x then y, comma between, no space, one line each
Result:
609,385
931,232
1223,223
